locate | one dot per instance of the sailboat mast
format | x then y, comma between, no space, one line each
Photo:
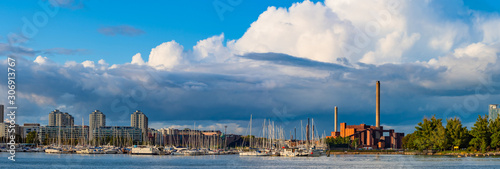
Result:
59,136
250,131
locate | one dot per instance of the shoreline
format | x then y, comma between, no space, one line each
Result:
458,154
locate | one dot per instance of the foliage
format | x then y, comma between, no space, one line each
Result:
354,143
456,134
494,127
32,137
480,134
430,134
337,140
409,141
439,141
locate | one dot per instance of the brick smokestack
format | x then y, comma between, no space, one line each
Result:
335,120
377,108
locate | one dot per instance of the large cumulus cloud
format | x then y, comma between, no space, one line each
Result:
292,63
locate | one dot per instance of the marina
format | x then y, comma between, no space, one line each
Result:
42,160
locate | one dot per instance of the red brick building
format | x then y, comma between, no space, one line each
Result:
374,137
370,137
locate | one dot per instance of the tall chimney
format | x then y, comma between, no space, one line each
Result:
336,120
377,109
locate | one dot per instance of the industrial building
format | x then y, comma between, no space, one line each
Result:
369,137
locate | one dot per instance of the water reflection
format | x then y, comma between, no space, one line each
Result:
42,160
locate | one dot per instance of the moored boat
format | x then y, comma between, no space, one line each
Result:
254,153
52,150
89,151
145,151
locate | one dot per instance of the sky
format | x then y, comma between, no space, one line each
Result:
210,64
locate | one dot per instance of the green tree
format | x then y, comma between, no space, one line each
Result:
409,141
456,134
494,127
430,134
354,143
480,134
32,137
337,140
438,137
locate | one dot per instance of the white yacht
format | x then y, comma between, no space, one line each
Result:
290,152
111,151
193,152
254,153
145,151
89,151
52,150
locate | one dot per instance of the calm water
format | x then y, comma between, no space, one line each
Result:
42,160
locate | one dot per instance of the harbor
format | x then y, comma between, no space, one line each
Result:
271,142
41,160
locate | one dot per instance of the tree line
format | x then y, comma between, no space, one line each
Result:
432,135
339,141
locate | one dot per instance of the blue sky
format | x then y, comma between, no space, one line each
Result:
184,21
182,62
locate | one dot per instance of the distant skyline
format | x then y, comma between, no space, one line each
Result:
214,63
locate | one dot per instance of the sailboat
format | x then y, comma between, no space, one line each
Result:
56,149
253,152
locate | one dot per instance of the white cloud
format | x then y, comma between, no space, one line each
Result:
465,65
137,59
445,36
41,60
70,64
390,49
212,50
490,28
88,64
166,55
386,15
306,30
102,62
